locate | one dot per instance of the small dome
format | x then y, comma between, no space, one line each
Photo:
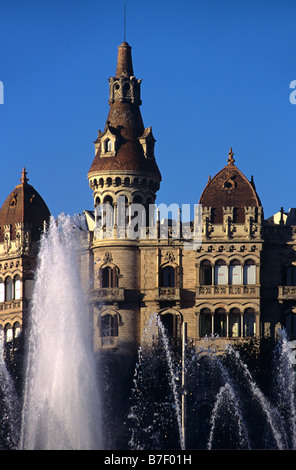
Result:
24,205
229,188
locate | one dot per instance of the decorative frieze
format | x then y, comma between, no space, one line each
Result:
239,290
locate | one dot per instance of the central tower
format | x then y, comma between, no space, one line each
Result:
124,170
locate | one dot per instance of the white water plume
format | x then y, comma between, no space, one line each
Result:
61,407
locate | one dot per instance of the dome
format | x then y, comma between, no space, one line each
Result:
24,205
229,188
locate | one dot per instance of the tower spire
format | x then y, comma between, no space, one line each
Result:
128,145
124,61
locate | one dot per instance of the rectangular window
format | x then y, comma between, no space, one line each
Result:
17,289
221,275
235,274
249,325
2,292
250,274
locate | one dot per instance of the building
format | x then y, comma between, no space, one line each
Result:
22,218
239,283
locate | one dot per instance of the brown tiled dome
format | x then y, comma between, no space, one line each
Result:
229,188
125,121
24,205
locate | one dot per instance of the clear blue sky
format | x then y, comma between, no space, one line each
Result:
216,74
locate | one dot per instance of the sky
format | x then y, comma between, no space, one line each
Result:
216,74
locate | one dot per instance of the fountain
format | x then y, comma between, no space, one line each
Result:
61,405
9,406
239,415
182,398
155,422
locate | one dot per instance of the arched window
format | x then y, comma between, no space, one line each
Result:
168,322
168,276
205,322
108,145
107,212
290,276
108,325
249,322
171,323
249,272
234,323
235,272
220,322
220,273
206,273
2,290
8,289
109,276
17,287
16,335
8,333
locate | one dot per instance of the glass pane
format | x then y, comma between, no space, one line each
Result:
250,274
220,324
2,292
234,325
249,324
205,324
8,289
17,289
168,277
235,274
221,275
206,275
9,334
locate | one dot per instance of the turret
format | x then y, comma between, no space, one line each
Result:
124,163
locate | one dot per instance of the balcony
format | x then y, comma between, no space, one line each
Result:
10,305
167,293
228,291
108,294
286,293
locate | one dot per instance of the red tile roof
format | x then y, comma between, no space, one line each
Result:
24,205
229,188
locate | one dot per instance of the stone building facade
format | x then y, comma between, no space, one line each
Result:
22,219
238,283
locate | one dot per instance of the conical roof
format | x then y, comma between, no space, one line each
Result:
24,205
125,122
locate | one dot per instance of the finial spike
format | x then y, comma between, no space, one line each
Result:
24,178
124,25
230,159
